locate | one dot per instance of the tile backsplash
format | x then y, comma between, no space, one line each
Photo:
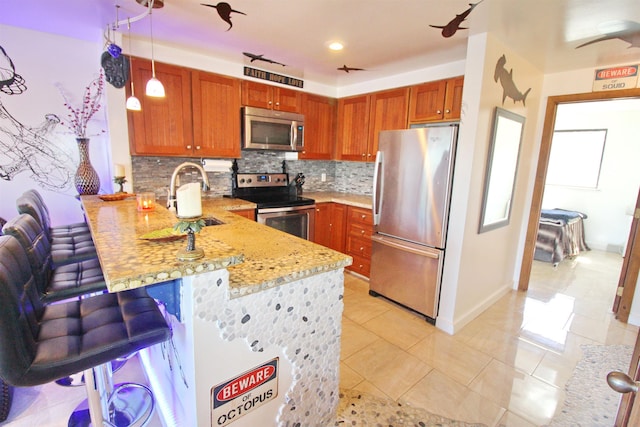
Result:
154,173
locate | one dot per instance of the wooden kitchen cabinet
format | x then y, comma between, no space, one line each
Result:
198,117
247,213
319,127
330,225
358,241
360,118
260,95
436,101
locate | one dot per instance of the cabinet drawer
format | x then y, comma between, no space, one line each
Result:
360,215
360,265
359,246
363,231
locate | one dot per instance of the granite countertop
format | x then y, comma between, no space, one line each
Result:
257,257
337,197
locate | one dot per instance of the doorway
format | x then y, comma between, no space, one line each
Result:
541,174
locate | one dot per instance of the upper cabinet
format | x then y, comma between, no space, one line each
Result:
319,126
436,101
199,115
361,117
271,97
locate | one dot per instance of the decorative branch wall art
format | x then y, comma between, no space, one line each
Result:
630,35
347,69
255,57
454,25
224,10
27,149
509,88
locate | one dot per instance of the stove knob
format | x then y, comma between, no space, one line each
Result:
248,180
241,180
277,179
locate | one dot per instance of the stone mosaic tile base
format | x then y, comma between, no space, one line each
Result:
361,409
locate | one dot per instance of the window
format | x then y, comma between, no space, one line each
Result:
576,157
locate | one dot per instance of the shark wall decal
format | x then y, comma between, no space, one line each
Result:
630,35
262,58
509,88
454,25
224,10
347,69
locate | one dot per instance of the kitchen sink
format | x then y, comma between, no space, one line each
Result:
208,221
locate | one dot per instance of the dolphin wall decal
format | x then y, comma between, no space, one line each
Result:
454,25
509,88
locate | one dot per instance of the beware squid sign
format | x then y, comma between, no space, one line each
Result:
614,78
240,395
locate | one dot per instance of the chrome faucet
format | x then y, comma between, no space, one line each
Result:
171,200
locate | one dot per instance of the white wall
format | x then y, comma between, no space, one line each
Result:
45,60
610,205
480,268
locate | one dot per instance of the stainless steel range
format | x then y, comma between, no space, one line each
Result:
277,205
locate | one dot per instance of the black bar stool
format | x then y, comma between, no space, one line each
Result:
41,342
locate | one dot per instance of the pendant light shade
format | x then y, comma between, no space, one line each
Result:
133,103
154,86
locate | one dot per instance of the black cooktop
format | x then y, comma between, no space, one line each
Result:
274,201
269,190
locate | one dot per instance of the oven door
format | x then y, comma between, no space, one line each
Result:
296,220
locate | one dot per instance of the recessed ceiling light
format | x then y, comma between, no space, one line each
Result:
335,45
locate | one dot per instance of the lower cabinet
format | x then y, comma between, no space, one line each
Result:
330,225
358,243
346,229
247,213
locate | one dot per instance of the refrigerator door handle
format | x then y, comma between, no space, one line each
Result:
404,247
378,186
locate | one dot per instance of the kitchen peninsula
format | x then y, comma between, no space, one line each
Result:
256,339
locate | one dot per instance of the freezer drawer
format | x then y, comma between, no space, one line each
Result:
406,273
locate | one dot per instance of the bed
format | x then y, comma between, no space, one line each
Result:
560,235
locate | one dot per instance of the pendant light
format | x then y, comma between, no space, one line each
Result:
154,86
133,103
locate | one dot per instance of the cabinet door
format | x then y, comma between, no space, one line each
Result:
216,115
247,213
163,127
322,227
427,101
353,128
319,126
338,227
453,99
271,97
389,111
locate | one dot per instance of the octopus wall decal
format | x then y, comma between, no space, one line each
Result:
509,88
454,25
224,11
24,148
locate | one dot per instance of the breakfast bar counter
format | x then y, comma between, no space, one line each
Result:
256,336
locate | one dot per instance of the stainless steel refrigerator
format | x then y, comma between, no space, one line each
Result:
411,194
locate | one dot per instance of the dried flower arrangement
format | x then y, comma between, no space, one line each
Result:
78,118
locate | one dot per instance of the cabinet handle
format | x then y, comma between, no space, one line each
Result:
362,232
188,147
447,111
270,102
361,248
439,111
364,216
197,147
363,154
277,104
317,210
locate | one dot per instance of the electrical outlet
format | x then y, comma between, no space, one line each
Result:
323,177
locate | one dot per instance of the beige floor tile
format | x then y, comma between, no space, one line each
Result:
509,419
522,394
388,367
555,369
354,338
399,327
512,350
361,307
454,358
348,377
367,387
440,395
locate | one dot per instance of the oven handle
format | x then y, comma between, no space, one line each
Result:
286,209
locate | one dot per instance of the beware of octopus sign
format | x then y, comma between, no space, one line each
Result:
238,396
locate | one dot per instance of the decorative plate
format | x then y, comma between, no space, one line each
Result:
114,197
163,235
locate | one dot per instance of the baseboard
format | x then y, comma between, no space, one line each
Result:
446,325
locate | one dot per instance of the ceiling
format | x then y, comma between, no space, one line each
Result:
384,37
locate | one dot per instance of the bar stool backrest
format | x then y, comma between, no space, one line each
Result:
32,203
20,309
26,230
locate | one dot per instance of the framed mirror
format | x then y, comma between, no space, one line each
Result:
502,167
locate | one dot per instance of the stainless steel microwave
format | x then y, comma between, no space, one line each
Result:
264,129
